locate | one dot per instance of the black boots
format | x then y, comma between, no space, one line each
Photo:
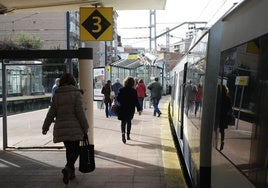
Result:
128,137
123,138
68,173
222,145
72,175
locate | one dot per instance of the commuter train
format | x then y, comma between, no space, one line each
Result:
233,53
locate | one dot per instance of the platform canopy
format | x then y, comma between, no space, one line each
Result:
7,6
135,60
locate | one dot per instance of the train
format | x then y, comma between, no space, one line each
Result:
232,53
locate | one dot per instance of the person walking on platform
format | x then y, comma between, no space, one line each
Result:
55,87
71,124
190,95
226,110
106,91
128,100
141,90
198,98
116,86
156,94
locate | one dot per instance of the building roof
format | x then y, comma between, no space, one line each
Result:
74,5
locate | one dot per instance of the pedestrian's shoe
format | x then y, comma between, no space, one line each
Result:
72,175
222,145
128,137
66,174
154,114
159,114
123,138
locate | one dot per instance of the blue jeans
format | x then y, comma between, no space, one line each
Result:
155,105
107,108
140,99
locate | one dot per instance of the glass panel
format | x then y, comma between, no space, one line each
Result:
29,85
244,142
193,104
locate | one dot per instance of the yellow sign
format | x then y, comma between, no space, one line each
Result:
108,68
96,24
132,56
241,80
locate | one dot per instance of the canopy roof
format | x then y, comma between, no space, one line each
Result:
133,61
73,5
127,63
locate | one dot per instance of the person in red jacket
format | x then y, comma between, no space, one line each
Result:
141,90
198,98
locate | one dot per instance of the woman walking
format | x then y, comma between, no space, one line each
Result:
226,109
71,123
106,91
128,100
141,90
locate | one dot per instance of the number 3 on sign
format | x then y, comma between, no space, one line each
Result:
97,24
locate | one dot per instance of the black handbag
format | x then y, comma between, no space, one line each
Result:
114,109
231,119
86,156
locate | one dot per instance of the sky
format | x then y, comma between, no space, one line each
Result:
175,13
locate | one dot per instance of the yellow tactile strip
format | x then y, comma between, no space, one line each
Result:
172,169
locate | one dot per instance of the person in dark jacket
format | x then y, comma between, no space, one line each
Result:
116,86
156,94
226,110
106,91
71,124
190,95
55,87
128,100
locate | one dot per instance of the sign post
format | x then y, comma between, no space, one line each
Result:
240,81
95,25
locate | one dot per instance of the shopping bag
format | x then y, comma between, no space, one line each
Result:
114,110
86,156
112,95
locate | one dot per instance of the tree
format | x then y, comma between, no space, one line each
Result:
8,45
25,41
22,41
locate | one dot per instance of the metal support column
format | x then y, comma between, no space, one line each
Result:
152,30
86,84
4,105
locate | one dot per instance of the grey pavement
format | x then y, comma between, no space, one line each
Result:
148,160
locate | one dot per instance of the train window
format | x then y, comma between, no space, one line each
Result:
244,142
193,96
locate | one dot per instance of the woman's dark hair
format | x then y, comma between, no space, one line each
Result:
67,79
129,82
140,81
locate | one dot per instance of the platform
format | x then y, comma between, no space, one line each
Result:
148,160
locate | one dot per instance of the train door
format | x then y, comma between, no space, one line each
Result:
244,71
181,98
